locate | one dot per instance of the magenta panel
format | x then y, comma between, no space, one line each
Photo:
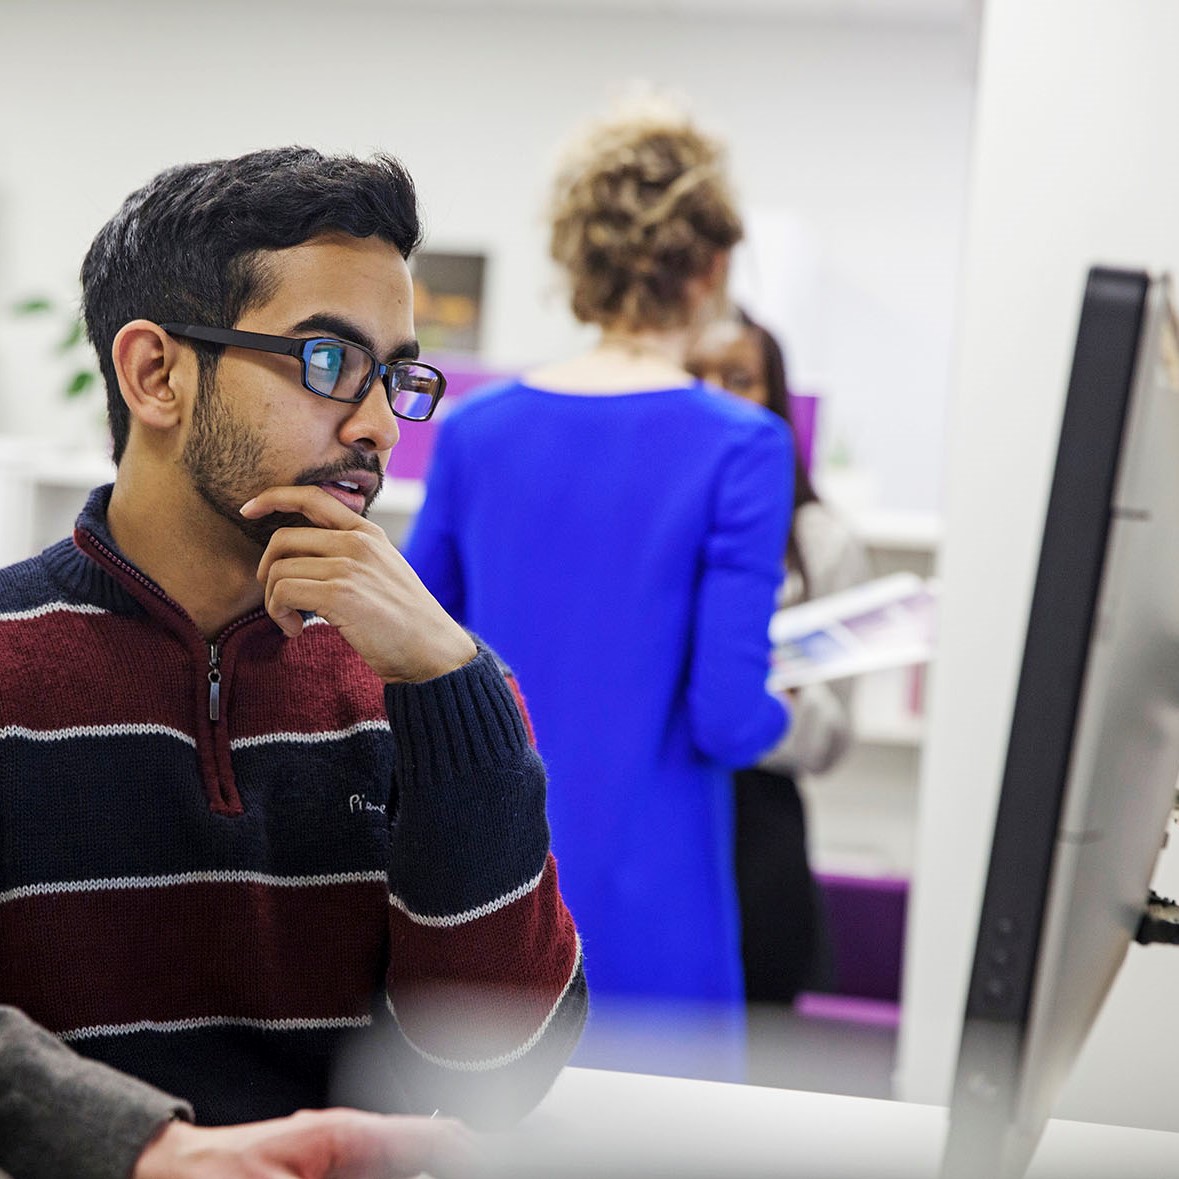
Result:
411,455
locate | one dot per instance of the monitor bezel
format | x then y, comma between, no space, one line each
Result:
1024,1020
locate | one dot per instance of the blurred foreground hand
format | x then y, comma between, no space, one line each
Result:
312,1144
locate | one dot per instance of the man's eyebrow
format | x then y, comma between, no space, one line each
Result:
345,329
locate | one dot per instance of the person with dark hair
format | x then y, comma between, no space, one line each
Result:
259,792
615,527
783,937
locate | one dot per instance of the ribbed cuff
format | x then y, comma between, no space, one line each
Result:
470,822
452,725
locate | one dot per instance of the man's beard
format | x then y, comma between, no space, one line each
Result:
225,461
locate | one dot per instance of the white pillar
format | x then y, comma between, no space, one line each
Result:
1076,162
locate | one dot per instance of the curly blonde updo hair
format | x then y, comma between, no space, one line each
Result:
640,206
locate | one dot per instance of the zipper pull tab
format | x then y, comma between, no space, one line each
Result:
214,682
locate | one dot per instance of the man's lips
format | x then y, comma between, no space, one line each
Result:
354,489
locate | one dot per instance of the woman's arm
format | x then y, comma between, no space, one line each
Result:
734,718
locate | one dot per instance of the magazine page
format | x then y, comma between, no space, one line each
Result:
889,622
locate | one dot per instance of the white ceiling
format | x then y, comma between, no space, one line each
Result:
924,11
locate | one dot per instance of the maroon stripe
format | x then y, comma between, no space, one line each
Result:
314,683
97,676
483,988
514,685
165,953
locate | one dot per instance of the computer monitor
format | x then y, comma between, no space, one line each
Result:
1093,751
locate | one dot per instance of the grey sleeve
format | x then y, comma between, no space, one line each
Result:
61,1114
820,732
819,735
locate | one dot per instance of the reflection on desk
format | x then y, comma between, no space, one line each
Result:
596,1124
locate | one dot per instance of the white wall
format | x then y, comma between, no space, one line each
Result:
856,133
1074,164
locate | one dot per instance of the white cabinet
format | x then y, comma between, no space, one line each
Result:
42,490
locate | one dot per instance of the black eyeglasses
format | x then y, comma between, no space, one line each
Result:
337,369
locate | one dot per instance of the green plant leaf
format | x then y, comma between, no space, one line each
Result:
80,382
32,306
72,337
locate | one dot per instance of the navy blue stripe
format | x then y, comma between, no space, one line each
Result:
32,583
229,1074
149,815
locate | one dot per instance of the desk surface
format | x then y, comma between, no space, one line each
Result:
595,1124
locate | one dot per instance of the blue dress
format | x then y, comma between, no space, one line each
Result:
622,553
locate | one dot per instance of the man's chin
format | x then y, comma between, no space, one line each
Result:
260,531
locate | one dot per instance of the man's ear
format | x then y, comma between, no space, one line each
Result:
146,362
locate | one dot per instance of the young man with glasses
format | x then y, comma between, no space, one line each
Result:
254,776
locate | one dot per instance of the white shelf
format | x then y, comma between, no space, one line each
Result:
397,505
52,466
900,734
80,470
915,532
399,497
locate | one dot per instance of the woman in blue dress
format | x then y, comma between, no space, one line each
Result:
614,528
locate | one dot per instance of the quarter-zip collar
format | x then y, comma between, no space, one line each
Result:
93,569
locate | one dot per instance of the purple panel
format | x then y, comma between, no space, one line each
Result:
876,1012
411,456
866,919
804,411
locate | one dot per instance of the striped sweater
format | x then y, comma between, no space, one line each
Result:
222,862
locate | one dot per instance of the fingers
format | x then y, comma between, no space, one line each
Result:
345,570
368,1144
441,1147
317,544
322,509
313,1144
282,604
306,568
315,570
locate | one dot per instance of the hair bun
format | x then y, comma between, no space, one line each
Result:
640,206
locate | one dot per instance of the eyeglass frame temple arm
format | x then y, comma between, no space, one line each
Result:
228,337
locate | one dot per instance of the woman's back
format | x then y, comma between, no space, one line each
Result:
615,529
622,552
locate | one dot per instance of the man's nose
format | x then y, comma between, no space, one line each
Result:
372,423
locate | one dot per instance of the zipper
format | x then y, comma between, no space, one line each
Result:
214,682
214,648
221,793
133,573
